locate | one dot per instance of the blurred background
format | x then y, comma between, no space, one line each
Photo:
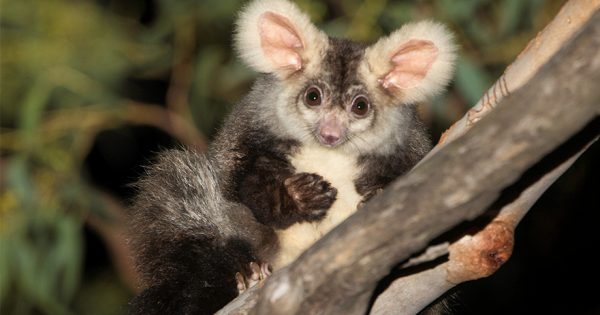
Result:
91,90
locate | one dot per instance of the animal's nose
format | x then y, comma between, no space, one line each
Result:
330,139
330,136
332,129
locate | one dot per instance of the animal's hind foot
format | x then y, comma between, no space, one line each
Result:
258,273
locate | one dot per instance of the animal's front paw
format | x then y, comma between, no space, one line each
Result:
311,194
255,274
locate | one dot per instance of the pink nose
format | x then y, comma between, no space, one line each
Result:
330,136
330,139
331,129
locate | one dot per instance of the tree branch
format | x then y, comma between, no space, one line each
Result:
338,273
410,294
464,259
570,20
166,120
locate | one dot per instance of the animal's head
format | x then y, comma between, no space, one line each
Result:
336,92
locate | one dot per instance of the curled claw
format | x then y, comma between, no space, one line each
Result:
265,269
258,274
368,196
241,283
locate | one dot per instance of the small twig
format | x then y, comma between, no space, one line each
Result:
114,235
431,253
182,68
410,294
167,121
93,120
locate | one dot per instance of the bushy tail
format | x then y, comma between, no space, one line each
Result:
188,240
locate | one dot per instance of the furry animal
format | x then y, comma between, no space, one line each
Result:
327,125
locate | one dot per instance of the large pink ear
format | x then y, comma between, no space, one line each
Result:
280,41
274,36
415,62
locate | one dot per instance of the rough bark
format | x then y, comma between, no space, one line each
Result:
410,294
465,262
571,18
338,274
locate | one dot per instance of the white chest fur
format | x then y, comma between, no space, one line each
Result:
340,170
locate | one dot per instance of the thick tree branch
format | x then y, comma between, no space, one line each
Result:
410,294
570,20
465,263
339,272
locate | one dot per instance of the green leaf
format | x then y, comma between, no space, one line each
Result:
458,10
397,14
6,251
511,14
471,80
68,253
206,111
31,114
18,179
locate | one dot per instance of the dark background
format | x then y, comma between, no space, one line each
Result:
87,87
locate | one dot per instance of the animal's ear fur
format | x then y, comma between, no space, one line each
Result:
274,36
414,62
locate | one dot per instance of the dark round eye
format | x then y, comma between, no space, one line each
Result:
360,106
312,96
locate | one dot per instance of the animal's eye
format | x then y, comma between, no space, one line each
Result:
312,96
360,106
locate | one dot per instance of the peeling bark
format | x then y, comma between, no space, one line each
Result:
478,256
